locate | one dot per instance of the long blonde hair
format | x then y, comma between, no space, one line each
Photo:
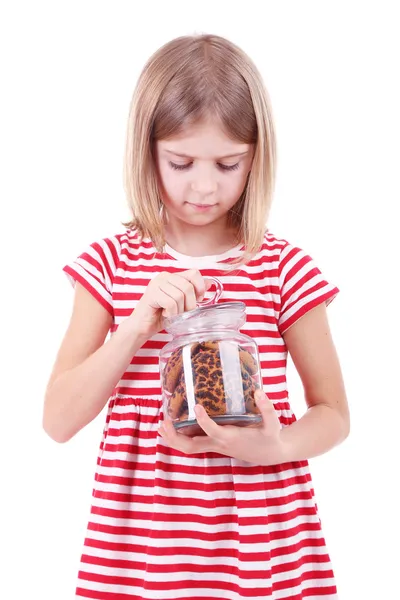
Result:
185,81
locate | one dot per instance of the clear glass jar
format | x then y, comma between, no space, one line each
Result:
210,362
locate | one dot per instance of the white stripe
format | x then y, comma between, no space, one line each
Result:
244,583
176,558
303,302
187,542
198,527
187,369
84,269
221,511
167,595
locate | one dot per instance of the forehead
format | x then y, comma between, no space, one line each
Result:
203,140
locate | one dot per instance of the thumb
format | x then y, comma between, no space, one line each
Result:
265,406
207,284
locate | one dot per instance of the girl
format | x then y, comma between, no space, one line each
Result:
230,514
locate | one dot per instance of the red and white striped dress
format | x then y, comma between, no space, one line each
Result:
168,526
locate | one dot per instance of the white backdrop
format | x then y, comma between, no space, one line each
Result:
68,71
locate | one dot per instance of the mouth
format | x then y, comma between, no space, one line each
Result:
201,207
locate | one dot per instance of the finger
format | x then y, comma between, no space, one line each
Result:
262,400
165,303
183,443
172,299
210,427
187,288
207,284
199,283
265,406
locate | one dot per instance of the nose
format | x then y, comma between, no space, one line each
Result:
204,183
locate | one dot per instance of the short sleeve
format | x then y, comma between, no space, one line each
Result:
302,286
95,270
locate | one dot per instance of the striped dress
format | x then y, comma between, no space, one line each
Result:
164,525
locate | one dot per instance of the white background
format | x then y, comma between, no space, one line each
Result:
68,70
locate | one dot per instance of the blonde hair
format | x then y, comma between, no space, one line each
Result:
185,81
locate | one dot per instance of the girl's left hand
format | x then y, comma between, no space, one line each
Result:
262,445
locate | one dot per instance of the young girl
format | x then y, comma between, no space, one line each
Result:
230,514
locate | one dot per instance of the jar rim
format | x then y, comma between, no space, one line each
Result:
190,314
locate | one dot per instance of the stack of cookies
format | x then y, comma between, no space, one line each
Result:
222,376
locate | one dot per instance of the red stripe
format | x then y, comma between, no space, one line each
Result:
283,260
103,260
86,284
195,501
96,595
234,288
203,568
187,517
190,584
127,392
201,487
114,254
111,546
264,273
192,469
325,298
149,376
299,285
215,536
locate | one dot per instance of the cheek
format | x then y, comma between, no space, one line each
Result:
171,181
164,174
235,185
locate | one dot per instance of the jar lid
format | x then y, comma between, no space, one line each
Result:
224,316
205,312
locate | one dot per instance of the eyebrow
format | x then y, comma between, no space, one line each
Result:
182,155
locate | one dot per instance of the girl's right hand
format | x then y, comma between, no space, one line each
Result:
167,295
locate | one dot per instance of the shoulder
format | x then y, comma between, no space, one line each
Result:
272,249
114,247
273,243
283,251
284,260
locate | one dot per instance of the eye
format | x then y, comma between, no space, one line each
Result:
228,167
186,166
180,167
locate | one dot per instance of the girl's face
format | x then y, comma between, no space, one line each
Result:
202,173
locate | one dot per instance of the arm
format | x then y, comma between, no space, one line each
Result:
86,369
326,422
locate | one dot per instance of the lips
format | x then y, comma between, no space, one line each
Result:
201,206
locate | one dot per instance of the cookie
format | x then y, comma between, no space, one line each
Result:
178,405
251,406
248,361
208,382
204,346
173,370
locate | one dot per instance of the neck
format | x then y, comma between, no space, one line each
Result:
196,241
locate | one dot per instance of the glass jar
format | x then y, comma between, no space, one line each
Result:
209,362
